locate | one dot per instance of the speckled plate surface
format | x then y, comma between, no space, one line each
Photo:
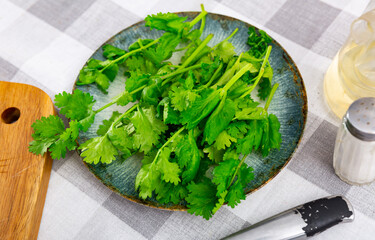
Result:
289,105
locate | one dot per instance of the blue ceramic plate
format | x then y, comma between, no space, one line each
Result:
289,105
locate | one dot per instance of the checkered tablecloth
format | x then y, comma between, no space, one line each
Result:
45,43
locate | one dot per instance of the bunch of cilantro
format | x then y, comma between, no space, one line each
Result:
195,122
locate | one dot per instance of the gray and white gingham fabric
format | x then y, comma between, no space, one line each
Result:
45,43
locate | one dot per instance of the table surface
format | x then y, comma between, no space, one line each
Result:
45,43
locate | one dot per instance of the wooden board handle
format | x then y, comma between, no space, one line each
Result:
23,176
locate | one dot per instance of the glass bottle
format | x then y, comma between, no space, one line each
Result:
352,72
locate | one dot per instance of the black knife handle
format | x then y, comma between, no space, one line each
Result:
300,222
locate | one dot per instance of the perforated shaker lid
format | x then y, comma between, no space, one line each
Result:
361,118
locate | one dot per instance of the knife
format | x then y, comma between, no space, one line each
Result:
300,222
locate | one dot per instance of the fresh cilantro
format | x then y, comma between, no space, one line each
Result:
75,106
224,140
219,120
111,52
188,157
258,42
201,198
164,109
46,132
169,22
192,121
200,108
148,128
103,129
225,50
182,98
265,85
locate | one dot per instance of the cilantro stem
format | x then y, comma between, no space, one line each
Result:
265,60
261,71
178,71
130,53
228,72
238,167
198,50
229,37
137,90
124,114
167,142
199,17
203,23
140,42
105,106
116,98
271,96
182,49
214,76
237,76
257,79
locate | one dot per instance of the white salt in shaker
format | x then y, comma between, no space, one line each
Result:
354,156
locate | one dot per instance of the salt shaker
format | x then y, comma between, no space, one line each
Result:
354,155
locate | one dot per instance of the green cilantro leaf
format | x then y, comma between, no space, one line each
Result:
169,170
170,116
47,127
232,176
98,149
208,70
230,154
148,128
225,50
200,108
235,194
99,72
224,140
238,129
140,65
124,98
46,132
136,81
236,191
219,120
103,128
271,136
265,86
188,157
214,154
167,44
76,106
169,22
121,140
146,181
182,98
223,173
253,138
111,52
152,92
258,42
251,113
170,193
201,199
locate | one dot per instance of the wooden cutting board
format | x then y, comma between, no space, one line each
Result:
23,176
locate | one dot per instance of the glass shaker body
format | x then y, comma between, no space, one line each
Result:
352,72
354,155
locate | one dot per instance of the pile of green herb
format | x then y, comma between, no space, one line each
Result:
194,122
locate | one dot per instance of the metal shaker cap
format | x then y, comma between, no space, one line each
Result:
360,119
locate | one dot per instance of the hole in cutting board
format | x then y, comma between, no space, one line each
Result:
10,115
